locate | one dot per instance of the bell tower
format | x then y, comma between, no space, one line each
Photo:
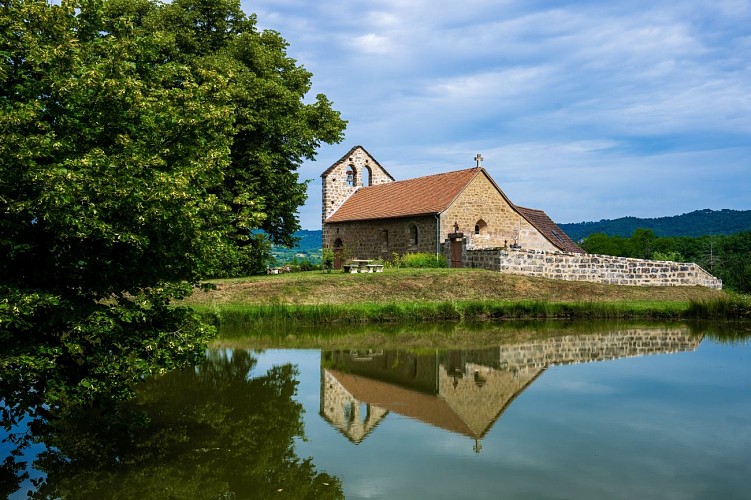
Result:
355,170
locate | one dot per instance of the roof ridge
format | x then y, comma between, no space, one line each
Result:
411,179
530,209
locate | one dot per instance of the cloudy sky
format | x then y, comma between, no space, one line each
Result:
586,109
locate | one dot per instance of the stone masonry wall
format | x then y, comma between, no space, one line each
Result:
586,267
481,201
335,188
379,239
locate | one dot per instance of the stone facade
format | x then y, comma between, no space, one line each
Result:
574,349
379,239
481,211
353,418
587,267
488,219
350,173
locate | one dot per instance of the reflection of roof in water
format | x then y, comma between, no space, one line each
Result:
466,391
435,410
407,402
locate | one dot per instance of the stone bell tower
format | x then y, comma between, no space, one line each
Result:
355,170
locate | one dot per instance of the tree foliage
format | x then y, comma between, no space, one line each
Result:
140,144
210,432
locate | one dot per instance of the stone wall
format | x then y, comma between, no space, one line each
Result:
586,267
336,190
481,202
379,239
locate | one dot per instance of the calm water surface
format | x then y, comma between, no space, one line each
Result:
628,412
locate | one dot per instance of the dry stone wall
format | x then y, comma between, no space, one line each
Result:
588,267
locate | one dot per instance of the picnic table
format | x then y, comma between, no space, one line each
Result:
362,266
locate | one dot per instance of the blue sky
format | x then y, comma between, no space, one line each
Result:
588,110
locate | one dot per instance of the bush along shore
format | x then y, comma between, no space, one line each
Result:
426,295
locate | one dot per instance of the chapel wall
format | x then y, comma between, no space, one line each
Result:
379,239
481,201
334,182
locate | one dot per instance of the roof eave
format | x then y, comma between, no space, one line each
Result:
391,217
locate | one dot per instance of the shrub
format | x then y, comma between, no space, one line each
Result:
414,260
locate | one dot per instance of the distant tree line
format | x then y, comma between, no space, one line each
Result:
727,256
696,223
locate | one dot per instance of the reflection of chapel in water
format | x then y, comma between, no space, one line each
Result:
463,391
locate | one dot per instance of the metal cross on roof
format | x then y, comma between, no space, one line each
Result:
479,159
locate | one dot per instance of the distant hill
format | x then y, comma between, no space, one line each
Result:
308,248
698,223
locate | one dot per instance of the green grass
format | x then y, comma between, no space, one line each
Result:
429,295
275,317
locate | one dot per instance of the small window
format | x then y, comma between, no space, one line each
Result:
412,234
351,177
480,226
385,237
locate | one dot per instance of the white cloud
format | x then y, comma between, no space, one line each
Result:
372,44
588,110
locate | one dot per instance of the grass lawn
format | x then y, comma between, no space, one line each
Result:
447,294
427,285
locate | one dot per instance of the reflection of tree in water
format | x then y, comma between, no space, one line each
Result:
209,432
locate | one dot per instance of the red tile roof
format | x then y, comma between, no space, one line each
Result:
549,229
420,196
432,195
408,402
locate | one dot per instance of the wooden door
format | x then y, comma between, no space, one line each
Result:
338,248
456,252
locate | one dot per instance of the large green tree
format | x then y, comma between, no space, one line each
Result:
140,145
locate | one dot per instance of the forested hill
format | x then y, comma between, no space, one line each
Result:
308,248
699,223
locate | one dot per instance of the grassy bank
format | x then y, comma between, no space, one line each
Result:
447,294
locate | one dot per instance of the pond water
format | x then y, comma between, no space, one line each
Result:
617,412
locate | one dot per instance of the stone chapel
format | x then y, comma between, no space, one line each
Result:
370,215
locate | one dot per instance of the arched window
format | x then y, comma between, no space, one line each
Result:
367,176
480,226
412,234
351,176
